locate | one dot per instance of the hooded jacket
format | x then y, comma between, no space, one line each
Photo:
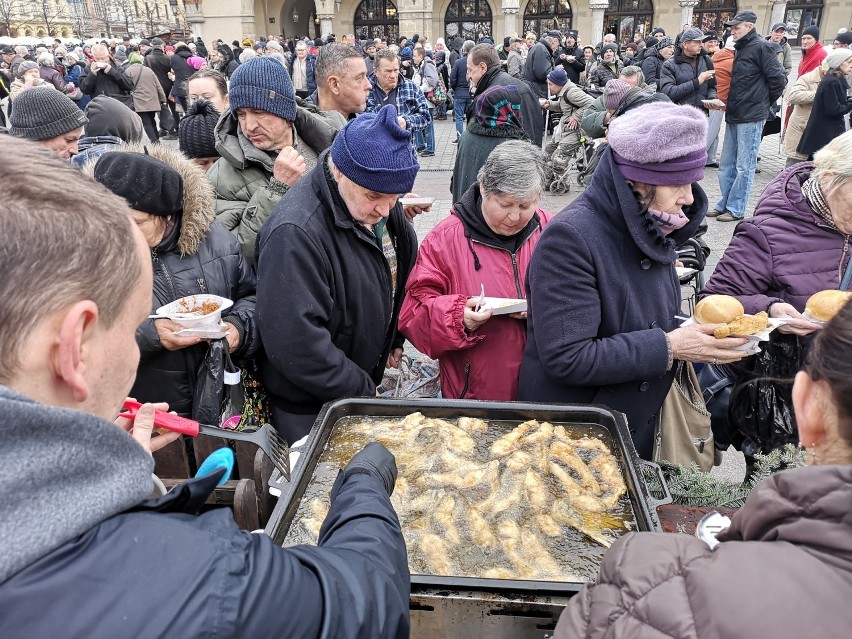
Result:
198,256
651,64
790,543
111,125
148,94
456,257
182,70
784,53
326,317
243,177
679,80
79,532
757,81
602,294
785,253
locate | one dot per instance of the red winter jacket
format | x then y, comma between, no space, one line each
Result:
483,364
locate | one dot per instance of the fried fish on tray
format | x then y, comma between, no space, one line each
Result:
474,500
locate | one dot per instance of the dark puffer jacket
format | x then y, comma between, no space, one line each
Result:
325,312
783,570
757,81
785,253
679,80
198,256
539,63
651,64
182,70
602,293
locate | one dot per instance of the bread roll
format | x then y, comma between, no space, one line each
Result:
826,304
718,309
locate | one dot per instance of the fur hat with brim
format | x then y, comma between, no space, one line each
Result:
663,144
376,153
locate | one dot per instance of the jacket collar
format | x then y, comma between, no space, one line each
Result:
613,198
748,39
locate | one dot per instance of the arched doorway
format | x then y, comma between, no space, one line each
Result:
468,19
376,19
625,18
711,15
800,15
542,15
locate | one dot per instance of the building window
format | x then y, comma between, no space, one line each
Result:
626,18
467,19
376,19
541,16
711,15
800,15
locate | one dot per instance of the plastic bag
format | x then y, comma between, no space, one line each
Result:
417,376
216,371
761,406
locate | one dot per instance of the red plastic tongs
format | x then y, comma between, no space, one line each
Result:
163,419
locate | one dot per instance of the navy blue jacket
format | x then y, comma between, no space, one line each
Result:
602,293
458,78
161,571
757,81
324,312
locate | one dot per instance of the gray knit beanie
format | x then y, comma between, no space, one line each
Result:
26,65
263,84
42,113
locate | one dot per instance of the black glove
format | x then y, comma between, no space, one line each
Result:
374,460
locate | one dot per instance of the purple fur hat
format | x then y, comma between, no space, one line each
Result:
663,144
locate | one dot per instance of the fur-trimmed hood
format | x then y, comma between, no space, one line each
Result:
199,203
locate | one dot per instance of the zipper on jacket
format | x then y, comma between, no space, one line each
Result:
162,265
514,265
840,269
202,285
466,380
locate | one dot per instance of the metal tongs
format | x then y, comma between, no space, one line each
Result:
480,302
266,438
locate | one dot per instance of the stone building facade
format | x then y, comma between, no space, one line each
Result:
231,19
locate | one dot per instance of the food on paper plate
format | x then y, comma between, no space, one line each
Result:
188,306
718,309
728,311
823,306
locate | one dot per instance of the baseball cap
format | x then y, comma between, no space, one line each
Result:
779,25
692,34
710,35
742,16
157,42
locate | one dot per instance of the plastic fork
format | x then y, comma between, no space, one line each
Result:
266,437
481,299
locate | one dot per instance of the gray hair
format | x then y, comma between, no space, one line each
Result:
46,59
632,70
468,45
386,54
515,168
247,55
274,45
22,50
833,164
332,59
301,45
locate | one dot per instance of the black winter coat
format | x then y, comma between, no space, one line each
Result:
679,80
198,256
602,294
324,311
114,84
182,70
531,111
161,65
575,68
458,78
651,64
539,63
757,81
826,122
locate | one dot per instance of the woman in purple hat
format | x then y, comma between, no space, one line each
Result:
602,288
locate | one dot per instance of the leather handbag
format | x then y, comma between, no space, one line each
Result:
684,436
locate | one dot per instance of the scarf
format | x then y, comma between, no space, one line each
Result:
815,199
668,222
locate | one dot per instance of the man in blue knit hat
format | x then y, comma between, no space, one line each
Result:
333,261
266,143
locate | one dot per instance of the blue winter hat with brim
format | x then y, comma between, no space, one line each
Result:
263,84
376,153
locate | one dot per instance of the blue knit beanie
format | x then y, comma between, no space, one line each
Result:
376,153
558,76
263,84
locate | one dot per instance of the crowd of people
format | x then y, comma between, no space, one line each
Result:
285,193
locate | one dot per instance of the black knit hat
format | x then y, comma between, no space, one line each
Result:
812,31
148,185
195,133
43,113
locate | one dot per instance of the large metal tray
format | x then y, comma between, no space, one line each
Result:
643,503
